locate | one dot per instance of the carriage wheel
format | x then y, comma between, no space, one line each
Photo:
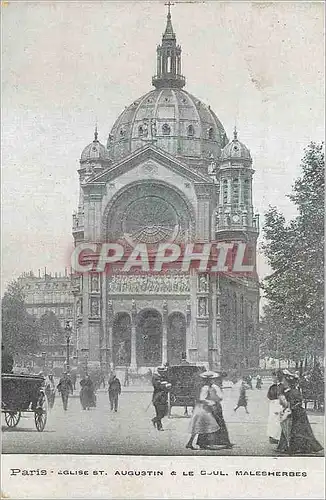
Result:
12,418
41,412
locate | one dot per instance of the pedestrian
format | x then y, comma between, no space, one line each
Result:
222,436
259,382
202,421
102,380
275,408
114,391
160,397
87,393
65,388
73,377
242,401
297,436
126,380
50,390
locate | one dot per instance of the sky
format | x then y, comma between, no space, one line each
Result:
66,65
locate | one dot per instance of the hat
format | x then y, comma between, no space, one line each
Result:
210,374
288,374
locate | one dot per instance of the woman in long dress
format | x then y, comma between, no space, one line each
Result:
87,393
242,401
202,421
275,408
221,437
296,435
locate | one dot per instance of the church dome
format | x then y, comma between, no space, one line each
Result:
94,151
235,150
168,116
171,119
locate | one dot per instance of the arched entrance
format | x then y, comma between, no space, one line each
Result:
176,337
149,338
121,338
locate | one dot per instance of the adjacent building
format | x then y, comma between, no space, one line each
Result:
51,293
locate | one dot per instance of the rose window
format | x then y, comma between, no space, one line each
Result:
150,220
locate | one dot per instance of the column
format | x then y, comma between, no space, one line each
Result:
165,333
133,360
108,337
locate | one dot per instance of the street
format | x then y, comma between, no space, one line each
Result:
130,431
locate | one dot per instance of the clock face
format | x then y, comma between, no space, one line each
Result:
236,218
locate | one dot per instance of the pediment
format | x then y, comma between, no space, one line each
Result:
148,157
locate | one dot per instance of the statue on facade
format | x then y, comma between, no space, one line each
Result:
95,310
95,283
202,283
145,128
202,307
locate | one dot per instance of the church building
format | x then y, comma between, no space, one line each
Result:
167,172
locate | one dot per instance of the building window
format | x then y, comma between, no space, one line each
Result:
235,191
225,191
169,64
140,130
190,131
166,129
210,133
246,192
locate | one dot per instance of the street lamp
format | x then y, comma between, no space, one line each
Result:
44,361
68,330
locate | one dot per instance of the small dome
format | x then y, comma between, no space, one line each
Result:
94,151
235,150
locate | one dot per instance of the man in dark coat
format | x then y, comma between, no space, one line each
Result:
160,399
114,391
65,388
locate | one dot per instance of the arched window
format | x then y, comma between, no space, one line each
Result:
235,191
140,130
169,64
225,191
190,131
210,133
166,129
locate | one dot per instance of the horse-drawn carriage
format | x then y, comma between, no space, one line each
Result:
23,393
186,382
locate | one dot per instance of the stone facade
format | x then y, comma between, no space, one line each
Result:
50,293
168,173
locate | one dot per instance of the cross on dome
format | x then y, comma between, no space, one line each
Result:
169,4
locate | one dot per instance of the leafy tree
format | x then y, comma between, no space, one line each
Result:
294,251
50,329
19,329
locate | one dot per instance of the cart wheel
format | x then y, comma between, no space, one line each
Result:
41,412
12,418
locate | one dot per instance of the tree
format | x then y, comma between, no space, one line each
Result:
50,329
19,329
294,251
